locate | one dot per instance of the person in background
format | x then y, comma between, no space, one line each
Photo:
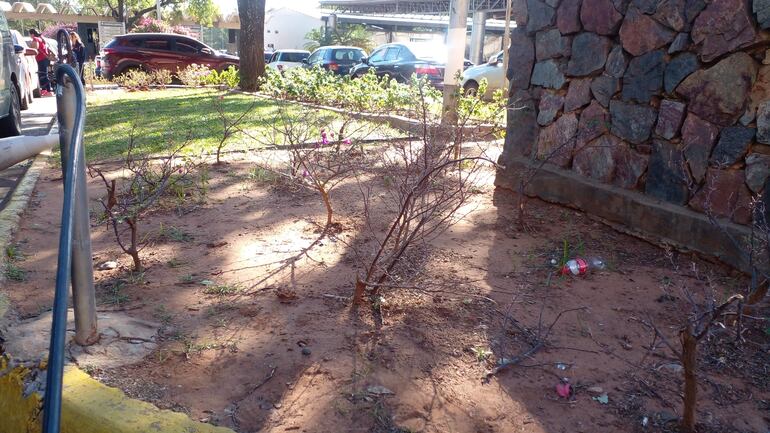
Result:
79,49
42,61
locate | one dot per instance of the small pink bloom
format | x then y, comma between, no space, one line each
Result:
347,141
304,173
325,141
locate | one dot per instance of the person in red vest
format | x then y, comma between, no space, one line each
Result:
42,61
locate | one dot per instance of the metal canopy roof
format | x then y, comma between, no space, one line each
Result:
439,7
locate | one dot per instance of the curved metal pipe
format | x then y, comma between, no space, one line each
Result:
52,400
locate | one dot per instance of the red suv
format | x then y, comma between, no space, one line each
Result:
153,51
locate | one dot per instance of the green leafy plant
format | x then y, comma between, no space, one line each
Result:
15,273
215,289
174,234
194,75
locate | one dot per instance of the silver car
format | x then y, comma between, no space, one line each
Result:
493,71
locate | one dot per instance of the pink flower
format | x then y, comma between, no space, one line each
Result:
324,140
304,173
347,141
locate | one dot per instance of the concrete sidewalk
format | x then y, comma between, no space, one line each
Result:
37,120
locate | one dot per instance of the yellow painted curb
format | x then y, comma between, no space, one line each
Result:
88,407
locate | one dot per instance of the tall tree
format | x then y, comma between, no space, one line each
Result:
354,35
251,43
130,11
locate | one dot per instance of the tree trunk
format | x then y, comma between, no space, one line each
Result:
690,364
251,43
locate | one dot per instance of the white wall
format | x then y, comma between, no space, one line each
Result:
286,28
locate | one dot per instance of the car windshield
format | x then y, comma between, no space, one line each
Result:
429,51
348,54
294,57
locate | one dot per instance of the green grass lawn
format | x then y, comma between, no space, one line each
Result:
162,119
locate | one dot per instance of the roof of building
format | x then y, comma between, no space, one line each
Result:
437,7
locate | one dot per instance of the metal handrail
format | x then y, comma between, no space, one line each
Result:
52,402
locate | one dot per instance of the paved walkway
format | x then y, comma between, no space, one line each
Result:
35,121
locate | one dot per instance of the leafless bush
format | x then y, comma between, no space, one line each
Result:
231,125
323,149
426,188
131,197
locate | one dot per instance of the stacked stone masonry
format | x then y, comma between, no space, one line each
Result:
667,97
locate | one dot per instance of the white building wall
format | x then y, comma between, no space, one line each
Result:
286,28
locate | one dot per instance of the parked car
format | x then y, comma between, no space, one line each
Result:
268,55
493,71
98,66
29,84
338,59
282,60
10,93
401,61
154,51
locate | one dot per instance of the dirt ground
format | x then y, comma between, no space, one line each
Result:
275,346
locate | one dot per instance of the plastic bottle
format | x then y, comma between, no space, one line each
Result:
580,266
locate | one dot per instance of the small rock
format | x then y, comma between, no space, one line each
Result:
757,171
604,88
718,94
600,16
679,68
632,122
723,27
763,123
568,16
670,117
578,95
666,174
548,73
616,63
734,142
379,390
673,367
540,15
644,77
698,138
306,351
550,44
589,53
107,266
641,34
549,106
681,41
277,405
595,390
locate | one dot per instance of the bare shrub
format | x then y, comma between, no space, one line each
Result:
130,198
427,185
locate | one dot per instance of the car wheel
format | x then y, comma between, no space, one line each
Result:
11,125
471,88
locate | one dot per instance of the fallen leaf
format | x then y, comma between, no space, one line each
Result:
563,389
286,295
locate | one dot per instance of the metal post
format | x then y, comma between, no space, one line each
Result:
157,9
458,26
478,32
83,294
506,44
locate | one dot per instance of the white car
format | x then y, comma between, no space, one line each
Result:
493,71
29,84
282,60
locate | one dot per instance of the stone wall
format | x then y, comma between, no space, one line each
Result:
670,98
